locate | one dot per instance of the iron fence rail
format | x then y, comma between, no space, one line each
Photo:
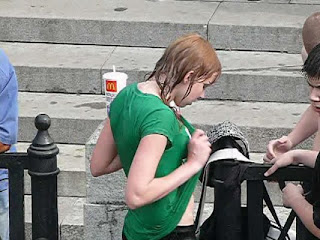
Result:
41,163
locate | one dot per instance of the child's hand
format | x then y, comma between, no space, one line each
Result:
276,148
199,149
291,193
280,161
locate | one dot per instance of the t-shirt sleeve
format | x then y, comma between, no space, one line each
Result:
160,121
9,107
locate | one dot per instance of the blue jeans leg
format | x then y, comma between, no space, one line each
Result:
4,215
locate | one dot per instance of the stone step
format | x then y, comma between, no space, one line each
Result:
72,177
58,67
70,218
247,75
312,2
228,25
76,117
73,117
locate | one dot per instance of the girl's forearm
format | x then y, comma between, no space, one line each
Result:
104,152
160,187
114,166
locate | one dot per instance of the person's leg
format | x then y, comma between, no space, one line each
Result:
4,215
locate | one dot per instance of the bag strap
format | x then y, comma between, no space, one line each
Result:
202,200
268,201
287,225
290,219
284,230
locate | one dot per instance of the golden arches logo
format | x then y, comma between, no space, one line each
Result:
111,86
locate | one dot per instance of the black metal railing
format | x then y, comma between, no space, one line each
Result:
254,175
41,162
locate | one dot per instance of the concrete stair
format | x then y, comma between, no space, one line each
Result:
228,25
247,75
74,117
70,214
72,177
60,50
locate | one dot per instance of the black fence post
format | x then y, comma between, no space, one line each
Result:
43,171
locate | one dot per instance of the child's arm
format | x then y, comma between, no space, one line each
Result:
292,197
307,126
8,104
105,158
143,187
297,156
316,142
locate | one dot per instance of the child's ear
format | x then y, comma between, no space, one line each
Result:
304,54
188,77
215,76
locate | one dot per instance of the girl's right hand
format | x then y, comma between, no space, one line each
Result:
199,149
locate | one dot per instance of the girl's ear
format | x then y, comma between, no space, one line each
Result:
215,76
187,77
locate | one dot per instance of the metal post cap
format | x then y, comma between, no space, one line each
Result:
42,122
43,145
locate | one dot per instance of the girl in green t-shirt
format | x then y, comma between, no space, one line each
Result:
159,151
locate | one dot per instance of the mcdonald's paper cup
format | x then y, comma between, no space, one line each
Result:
114,82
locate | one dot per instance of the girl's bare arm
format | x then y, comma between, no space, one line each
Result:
105,158
142,187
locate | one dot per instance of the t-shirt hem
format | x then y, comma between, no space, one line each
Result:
155,238
175,223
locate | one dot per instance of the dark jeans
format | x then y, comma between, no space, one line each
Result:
179,233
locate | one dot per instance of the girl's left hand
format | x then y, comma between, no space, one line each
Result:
292,193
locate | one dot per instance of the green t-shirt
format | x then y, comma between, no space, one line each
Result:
133,115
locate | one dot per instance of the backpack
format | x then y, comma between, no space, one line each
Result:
228,144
